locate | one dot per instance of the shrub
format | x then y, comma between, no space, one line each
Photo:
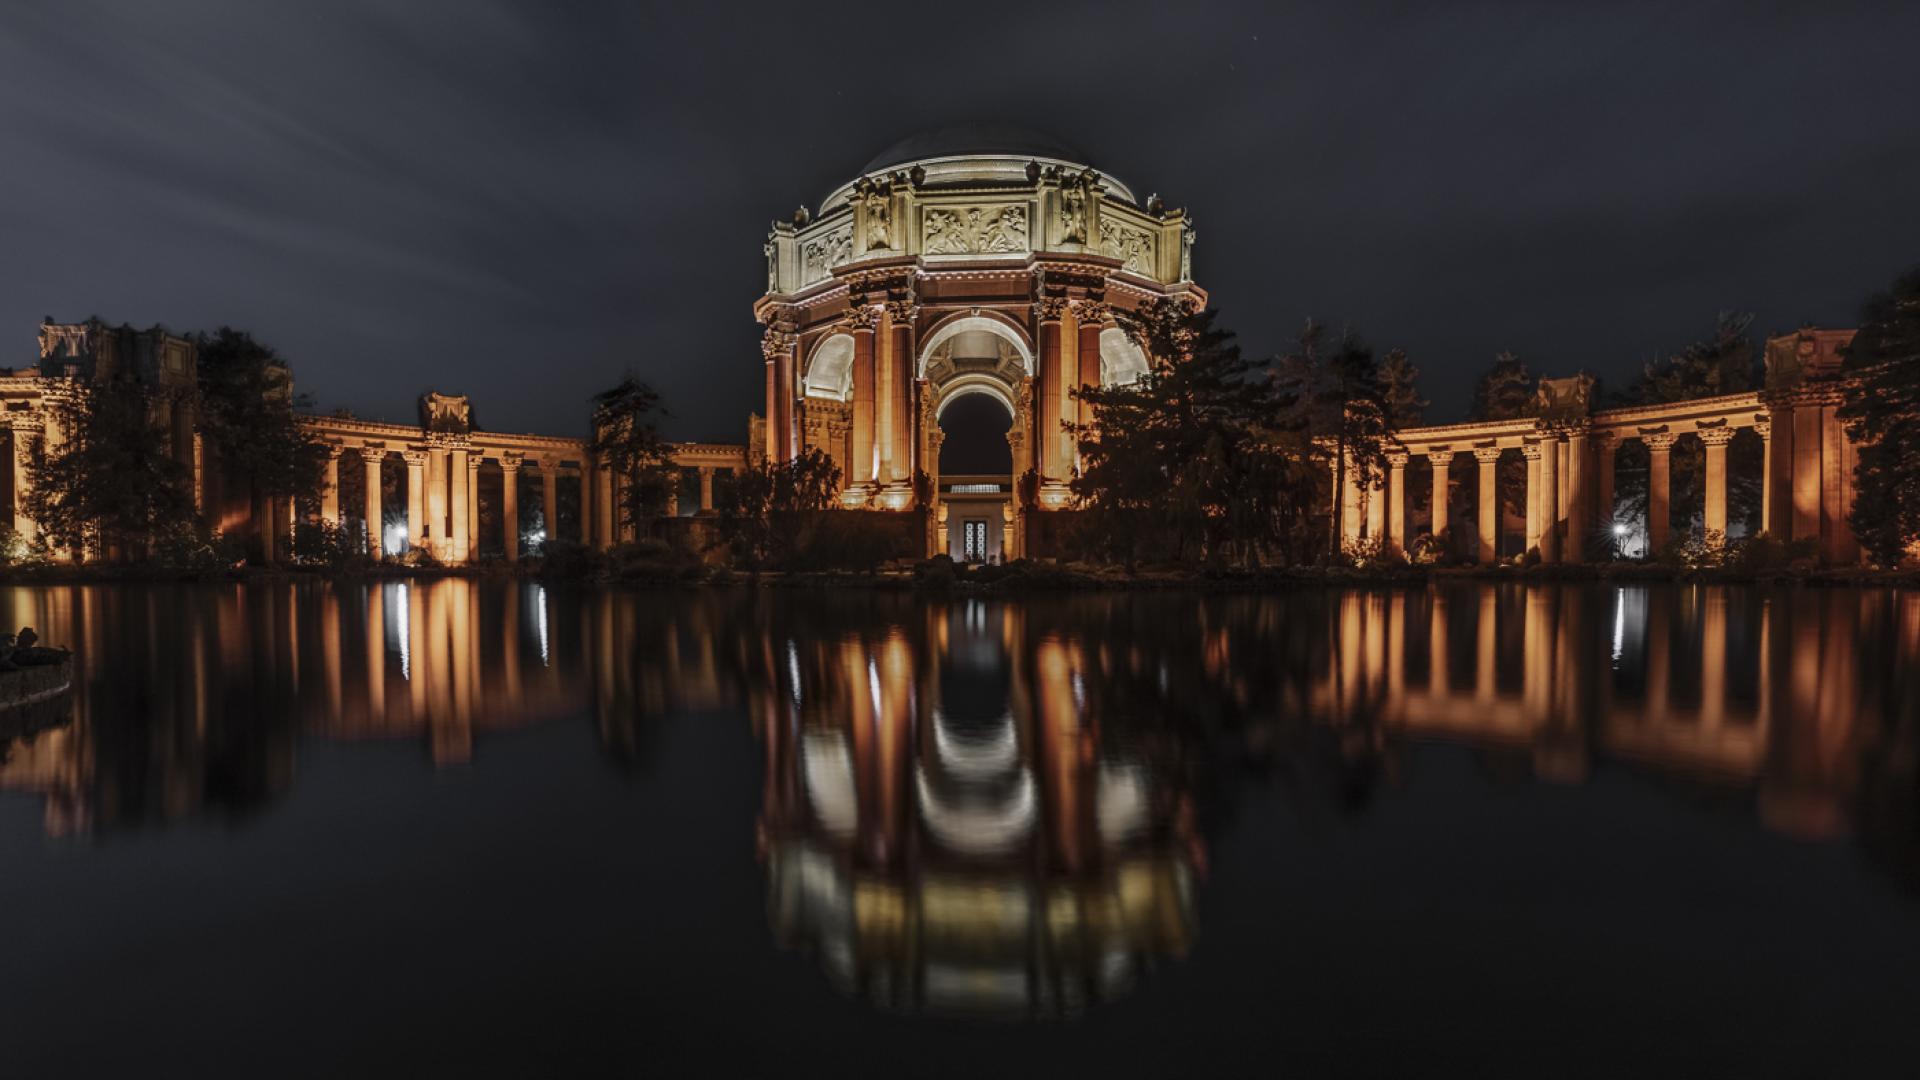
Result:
1427,549
418,558
17,550
325,544
568,558
187,547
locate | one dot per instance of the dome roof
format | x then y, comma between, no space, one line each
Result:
969,140
974,153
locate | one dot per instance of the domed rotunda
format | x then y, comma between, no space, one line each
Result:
976,261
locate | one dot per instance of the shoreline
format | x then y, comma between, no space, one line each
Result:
1009,579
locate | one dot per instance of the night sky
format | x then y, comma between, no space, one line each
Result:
520,201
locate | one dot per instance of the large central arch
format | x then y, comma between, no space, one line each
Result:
951,328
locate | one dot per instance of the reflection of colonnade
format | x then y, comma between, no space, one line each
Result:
950,830
209,693
1764,688
1570,452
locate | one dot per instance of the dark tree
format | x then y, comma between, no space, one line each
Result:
1882,414
247,417
760,511
1400,391
108,477
1337,399
1191,458
1505,390
627,441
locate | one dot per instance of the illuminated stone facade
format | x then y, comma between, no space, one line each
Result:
1570,449
973,261
443,456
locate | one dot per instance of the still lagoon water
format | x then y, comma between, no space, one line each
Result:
493,828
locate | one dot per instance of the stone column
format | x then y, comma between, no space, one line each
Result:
436,490
1349,494
549,504
673,494
1579,500
1090,318
473,507
885,404
1489,459
779,347
417,501
861,477
460,547
1396,494
1659,486
1716,509
706,489
1550,500
1049,313
900,320
1442,466
24,432
1769,484
370,458
330,494
510,505
1374,497
1536,510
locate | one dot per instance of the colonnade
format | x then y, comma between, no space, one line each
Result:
1569,491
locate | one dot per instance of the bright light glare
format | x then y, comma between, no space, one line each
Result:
396,539
1619,530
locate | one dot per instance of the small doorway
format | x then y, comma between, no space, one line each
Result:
973,540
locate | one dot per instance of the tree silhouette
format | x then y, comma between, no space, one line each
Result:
1882,414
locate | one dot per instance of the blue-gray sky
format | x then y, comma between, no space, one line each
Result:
522,200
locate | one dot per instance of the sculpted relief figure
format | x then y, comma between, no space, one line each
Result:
1073,211
1133,247
975,230
820,255
879,220
1186,250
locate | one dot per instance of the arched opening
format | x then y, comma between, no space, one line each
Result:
830,374
974,342
1122,361
973,430
976,471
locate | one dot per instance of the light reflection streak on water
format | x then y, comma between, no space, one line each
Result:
540,607
1619,624
793,669
400,626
